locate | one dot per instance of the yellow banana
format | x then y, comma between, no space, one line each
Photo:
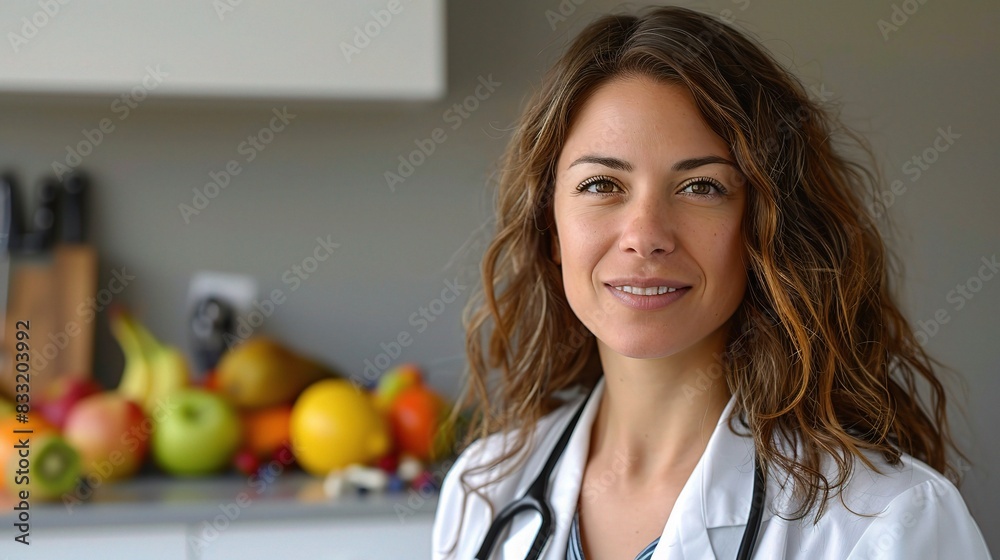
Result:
165,368
137,377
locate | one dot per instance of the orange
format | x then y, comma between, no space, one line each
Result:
8,439
267,429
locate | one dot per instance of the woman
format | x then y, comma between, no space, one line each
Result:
678,236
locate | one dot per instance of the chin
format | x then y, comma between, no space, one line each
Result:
653,343
645,348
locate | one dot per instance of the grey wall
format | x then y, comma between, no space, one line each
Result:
324,176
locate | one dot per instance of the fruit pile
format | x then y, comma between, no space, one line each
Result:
264,406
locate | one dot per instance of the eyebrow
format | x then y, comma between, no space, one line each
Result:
682,165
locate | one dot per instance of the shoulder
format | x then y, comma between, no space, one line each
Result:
487,451
463,515
908,510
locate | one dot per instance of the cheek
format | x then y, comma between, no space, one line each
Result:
578,238
731,266
578,261
580,250
731,243
720,248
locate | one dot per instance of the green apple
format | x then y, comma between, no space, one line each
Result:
198,435
394,382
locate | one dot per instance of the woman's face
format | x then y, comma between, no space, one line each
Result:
646,201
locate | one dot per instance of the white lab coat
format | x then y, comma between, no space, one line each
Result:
922,513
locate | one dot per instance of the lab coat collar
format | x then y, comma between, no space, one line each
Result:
717,494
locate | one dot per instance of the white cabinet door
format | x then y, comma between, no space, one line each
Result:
168,542
377,538
324,49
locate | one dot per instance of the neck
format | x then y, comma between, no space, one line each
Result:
656,416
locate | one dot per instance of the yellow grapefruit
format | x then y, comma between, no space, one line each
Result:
334,424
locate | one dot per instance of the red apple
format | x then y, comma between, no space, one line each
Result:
111,433
417,418
62,396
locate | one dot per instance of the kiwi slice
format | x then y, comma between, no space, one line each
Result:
55,467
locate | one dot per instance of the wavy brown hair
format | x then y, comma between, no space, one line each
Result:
820,353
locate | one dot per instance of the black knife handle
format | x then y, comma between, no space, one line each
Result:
10,226
41,235
44,221
74,205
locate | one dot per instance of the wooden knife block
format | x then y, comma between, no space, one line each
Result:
54,296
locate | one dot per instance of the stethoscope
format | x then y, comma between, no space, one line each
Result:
535,499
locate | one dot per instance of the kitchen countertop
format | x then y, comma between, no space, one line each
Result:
161,500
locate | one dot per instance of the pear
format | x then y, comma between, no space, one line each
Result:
261,373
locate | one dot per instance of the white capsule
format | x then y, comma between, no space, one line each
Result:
409,468
333,484
370,478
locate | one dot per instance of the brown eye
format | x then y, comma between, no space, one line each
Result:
600,185
704,187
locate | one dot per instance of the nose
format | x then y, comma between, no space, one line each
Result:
648,228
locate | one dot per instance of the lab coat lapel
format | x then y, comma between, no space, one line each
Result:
564,488
710,512
714,500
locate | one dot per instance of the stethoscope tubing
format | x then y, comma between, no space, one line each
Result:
535,499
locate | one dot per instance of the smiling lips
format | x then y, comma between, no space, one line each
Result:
645,291
647,294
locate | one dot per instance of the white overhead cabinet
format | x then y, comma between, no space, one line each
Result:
332,49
